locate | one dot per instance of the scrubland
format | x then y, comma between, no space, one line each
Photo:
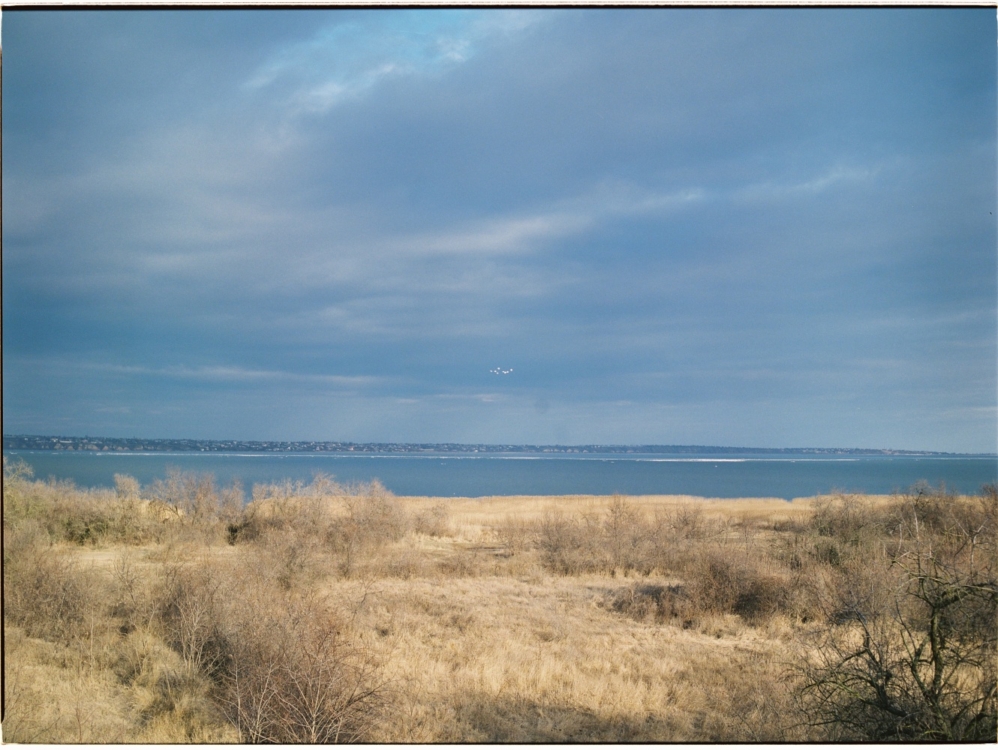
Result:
318,613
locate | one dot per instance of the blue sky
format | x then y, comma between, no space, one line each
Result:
732,227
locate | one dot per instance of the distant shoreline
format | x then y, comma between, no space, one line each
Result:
123,445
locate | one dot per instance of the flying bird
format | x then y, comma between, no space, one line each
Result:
500,371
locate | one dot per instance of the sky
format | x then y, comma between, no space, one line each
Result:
752,227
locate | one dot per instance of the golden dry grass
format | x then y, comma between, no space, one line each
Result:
475,636
501,659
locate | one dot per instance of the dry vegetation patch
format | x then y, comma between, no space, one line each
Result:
319,613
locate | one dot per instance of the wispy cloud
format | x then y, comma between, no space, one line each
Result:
836,176
222,373
571,217
208,373
347,60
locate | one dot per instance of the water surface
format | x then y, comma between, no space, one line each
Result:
476,475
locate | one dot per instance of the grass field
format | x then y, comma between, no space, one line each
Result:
171,613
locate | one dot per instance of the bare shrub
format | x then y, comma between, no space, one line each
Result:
716,583
193,495
625,536
910,652
433,521
130,519
293,509
374,518
190,611
22,540
283,506
568,545
288,524
292,678
79,516
846,526
515,535
20,498
622,539
203,511
656,602
292,558
50,597
134,604
298,524
96,516
689,522
376,515
64,511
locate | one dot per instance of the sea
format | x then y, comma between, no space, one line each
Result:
480,475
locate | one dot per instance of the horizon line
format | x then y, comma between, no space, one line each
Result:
512,447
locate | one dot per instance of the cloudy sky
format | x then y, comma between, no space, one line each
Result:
730,227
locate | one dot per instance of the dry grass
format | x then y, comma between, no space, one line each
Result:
320,612
500,659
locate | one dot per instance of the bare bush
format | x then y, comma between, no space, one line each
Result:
376,515
20,501
201,509
621,539
292,557
94,517
515,535
90,517
568,545
432,522
285,506
625,536
648,601
720,582
193,495
374,518
688,522
191,606
292,678
53,598
910,653
289,525
22,540
847,527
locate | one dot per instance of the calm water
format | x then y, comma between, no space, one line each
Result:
456,475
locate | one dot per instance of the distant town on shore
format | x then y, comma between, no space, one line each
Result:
62,443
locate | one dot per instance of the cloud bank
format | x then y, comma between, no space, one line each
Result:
752,227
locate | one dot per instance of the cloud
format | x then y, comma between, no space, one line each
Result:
836,177
670,209
234,374
204,373
567,218
344,61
